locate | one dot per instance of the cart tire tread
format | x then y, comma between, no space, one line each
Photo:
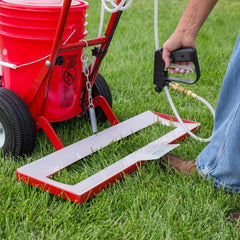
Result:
17,118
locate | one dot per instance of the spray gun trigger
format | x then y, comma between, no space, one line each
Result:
184,67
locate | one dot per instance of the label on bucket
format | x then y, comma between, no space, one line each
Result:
69,82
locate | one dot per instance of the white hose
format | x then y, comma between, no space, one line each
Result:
120,7
207,104
115,8
166,89
180,120
101,21
156,24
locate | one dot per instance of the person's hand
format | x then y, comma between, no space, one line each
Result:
176,41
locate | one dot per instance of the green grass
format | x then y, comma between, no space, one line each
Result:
150,203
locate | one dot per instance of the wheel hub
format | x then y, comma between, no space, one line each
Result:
2,135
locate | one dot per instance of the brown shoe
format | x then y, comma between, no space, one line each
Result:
234,216
180,165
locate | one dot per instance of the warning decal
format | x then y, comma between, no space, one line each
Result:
70,74
70,81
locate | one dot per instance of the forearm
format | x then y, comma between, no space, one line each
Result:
194,16
188,27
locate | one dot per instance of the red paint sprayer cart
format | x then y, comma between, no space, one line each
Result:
46,78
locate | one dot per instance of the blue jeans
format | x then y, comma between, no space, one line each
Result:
220,160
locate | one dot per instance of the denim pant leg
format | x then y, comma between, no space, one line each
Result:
220,160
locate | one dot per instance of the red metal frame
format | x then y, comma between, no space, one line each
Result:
102,102
43,123
38,94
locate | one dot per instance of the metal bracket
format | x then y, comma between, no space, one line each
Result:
38,172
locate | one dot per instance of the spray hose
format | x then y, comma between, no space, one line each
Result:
178,88
123,5
183,90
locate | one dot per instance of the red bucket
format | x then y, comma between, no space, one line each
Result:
27,31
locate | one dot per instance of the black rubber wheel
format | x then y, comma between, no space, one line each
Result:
101,87
17,130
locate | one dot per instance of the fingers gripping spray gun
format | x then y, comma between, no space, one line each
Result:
161,80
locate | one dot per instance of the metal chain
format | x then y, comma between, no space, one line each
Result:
91,109
84,59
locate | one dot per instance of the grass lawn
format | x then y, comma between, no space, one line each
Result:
150,203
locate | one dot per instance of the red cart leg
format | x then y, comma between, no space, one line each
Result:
102,102
43,123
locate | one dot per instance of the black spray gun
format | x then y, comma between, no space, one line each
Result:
161,77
